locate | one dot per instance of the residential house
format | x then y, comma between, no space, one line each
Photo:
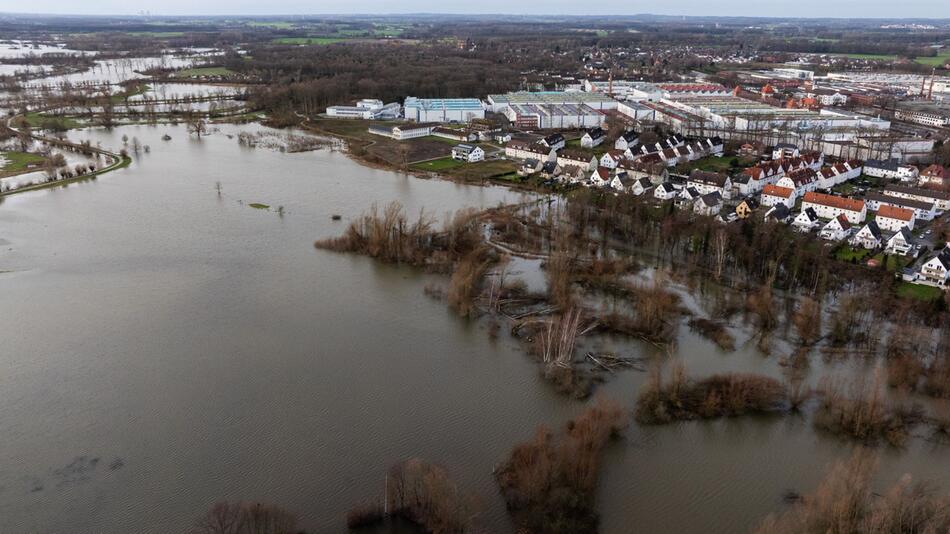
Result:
750,150
554,141
936,270
869,236
465,136
655,172
891,169
924,211
469,153
550,169
746,207
612,158
806,221
892,218
778,213
836,229
530,166
901,243
940,199
574,175
641,186
801,181
785,150
687,196
576,158
709,204
627,140
517,149
773,194
830,207
665,191
600,177
622,182
709,182
593,137
934,174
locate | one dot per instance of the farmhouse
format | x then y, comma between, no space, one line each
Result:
892,218
830,207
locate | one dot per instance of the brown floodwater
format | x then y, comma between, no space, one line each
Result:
166,347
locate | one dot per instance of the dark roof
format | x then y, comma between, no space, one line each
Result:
553,139
710,178
898,201
874,229
711,199
631,136
929,193
780,212
667,187
549,167
890,164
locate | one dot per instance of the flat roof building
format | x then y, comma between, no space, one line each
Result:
443,109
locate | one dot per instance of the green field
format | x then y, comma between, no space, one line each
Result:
308,40
277,25
203,71
713,164
158,35
919,292
937,61
848,254
437,165
47,122
867,56
19,161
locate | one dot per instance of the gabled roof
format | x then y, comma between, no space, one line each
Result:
631,136
893,212
667,187
904,234
918,191
575,155
779,212
935,171
549,167
873,228
711,199
778,191
603,173
831,201
645,183
842,221
553,139
596,133
708,178
810,214
901,202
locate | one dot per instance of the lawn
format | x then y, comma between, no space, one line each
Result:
308,40
483,170
11,162
848,254
918,291
713,164
203,71
437,165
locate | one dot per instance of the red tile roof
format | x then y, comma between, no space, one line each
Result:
893,212
849,204
776,191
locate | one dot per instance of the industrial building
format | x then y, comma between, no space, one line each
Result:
443,109
553,116
367,109
600,102
926,113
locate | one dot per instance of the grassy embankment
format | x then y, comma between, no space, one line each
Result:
18,162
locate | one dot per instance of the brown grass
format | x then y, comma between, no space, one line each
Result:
549,481
425,494
715,331
465,284
845,502
725,395
860,410
807,321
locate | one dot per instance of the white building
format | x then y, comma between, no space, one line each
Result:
868,237
836,229
892,219
593,137
830,207
901,243
773,194
890,169
443,109
367,109
924,211
940,199
806,221
469,153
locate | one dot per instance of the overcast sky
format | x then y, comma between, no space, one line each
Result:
763,8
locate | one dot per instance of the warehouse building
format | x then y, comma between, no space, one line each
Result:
443,109
367,109
553,116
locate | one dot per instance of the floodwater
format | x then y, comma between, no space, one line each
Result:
167,347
